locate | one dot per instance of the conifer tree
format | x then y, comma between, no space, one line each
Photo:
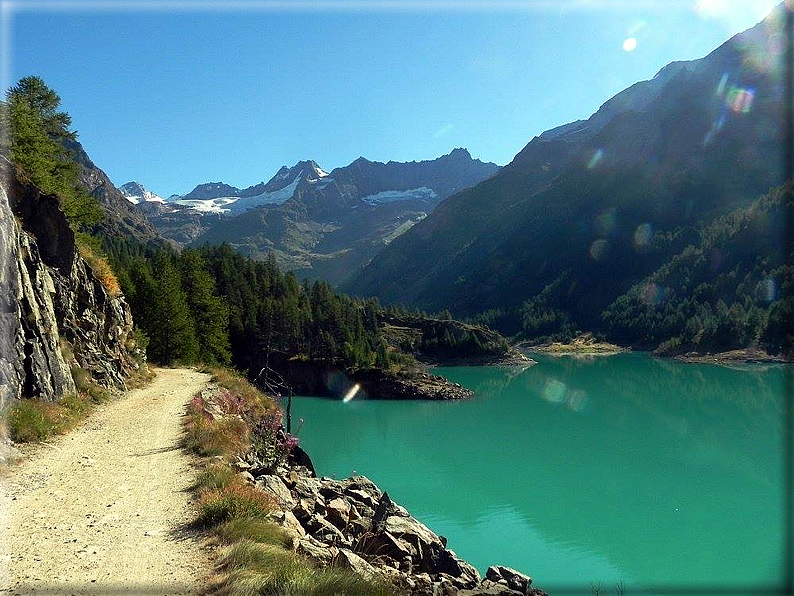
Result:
210,314
172,335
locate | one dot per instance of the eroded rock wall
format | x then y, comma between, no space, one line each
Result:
55,314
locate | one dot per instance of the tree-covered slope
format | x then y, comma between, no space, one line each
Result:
588,209
727,291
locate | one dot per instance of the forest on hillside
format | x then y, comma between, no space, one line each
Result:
209,304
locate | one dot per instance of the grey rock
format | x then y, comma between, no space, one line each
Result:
512,578
350,560
276,487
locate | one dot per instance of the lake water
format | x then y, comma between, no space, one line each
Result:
583,472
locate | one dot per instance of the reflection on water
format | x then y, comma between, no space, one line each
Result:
620,468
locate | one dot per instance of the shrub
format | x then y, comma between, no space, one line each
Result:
215,477
255,404
255,568
234,501
100,268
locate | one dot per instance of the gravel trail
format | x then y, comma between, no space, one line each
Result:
103,509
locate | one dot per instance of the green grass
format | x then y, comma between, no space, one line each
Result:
234,501
215,477
255,530
255,568
207,437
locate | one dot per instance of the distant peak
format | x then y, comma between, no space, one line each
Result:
460,152
135,192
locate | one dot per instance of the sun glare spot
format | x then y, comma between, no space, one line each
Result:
630,44
642,235
595,159
605,222
740,101
351,393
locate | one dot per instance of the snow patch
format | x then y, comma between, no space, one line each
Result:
390,196
276,197
217,205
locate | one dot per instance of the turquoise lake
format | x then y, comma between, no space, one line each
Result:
583,472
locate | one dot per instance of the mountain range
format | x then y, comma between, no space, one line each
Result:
319,224
587,210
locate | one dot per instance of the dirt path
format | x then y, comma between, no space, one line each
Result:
102,510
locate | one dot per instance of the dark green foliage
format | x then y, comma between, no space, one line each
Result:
35,143
170,326
210,314
269,312
725,292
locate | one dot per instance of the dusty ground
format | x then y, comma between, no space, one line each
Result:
103,510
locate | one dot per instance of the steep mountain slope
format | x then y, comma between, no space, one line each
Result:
727,291
319,224
588,209
122,220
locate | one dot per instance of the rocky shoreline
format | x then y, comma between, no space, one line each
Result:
743,356
583,345
352,523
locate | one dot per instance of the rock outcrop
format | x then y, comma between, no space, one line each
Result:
352,523
55,314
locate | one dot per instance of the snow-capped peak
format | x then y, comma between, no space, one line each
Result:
135,193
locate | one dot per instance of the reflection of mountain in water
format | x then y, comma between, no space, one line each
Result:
644,463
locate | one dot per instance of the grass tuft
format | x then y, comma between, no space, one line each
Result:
234,501
208,438
255,530
255,568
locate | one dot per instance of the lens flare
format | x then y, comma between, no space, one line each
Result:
606,222
630,44
351,393
598,249
769,289
642,235
652,294
554,391
739,100
598,155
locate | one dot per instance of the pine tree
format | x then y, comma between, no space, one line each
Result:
172,335
210,314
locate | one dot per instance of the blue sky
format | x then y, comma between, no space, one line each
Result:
173,97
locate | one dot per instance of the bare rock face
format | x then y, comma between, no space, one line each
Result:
55,314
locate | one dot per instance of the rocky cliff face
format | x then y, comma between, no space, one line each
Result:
55,314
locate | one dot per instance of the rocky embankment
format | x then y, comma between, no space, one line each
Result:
447,342
582,345
55,314
323,378
354,524
743,356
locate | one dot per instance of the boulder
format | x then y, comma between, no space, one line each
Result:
276,487
308,488
384,544
350,560
303,509
246,476
316,550
337,512
513,579
359,496
412,531
325,530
